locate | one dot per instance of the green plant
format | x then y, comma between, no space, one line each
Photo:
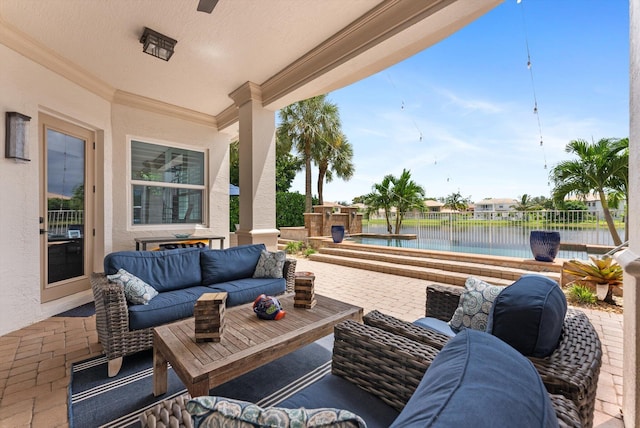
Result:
308,252
598,271
581,294
294,247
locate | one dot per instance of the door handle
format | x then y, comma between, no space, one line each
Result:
42,231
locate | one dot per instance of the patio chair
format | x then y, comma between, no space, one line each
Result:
572,369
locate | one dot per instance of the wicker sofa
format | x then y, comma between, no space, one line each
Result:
375,373
124,329
572,369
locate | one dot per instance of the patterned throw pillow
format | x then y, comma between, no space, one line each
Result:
210,412
136,291
475,305
270,264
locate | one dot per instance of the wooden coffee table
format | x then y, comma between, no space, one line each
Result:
247,342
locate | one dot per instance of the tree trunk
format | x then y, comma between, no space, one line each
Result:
386,216
607,216
321,173
308,202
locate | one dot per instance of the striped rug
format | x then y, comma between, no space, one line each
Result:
96,400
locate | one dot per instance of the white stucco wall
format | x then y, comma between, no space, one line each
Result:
28,88
127,123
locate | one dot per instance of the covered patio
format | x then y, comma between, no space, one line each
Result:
80,64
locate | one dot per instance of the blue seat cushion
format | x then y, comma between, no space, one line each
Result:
229,264
529,315
163,270
246,290
435,324
166,307
479,381
335,392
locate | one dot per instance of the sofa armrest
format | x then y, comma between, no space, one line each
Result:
573,368
442,301
112,316
403,328
384,364
289,273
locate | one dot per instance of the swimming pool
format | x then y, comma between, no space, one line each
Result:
426,244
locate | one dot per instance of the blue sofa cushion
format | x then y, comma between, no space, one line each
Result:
479,381
529,315
435,324
229,264
334,391
166,307
248,289
163,270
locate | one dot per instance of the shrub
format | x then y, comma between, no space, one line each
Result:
309,251
294,247
581,294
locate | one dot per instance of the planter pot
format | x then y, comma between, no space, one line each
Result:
544,245
337,233
601,291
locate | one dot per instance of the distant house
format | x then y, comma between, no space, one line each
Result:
433,206
489,209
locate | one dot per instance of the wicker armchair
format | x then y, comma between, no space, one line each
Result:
385,364
572,370
112,319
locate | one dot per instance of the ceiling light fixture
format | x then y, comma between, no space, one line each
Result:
157,44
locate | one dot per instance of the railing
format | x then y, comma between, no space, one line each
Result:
59,221
504,229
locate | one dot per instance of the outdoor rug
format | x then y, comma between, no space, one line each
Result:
97,400
86,310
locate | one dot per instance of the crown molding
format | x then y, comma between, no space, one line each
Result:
381,23
227,117
155,106
40,54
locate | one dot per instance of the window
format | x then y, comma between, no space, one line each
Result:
168,184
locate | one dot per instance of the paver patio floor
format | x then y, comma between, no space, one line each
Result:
35,361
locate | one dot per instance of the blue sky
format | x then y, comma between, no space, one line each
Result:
459,115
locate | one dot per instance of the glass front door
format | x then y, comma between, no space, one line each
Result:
65,224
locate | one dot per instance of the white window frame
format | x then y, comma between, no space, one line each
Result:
132,182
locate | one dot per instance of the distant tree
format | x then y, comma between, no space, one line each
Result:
334,156
305,124
77,198
399,192
525,203
598,169
456,202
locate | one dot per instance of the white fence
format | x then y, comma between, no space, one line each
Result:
60,221
504,229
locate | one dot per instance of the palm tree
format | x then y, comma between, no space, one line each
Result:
401,192
598,169
333,157
620,182
381,198
305,124
456,202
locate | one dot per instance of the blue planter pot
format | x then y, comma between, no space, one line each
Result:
337,233
544,245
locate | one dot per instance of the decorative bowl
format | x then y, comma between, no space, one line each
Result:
182,235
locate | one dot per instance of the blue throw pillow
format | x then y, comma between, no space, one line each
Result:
229,264
529,315
479,381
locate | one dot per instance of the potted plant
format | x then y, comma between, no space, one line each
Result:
605,273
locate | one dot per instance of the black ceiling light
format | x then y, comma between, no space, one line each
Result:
157,44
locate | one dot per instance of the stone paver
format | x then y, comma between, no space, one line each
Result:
35,361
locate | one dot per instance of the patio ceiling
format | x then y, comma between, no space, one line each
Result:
293,49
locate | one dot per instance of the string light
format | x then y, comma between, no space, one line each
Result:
402,104
533,86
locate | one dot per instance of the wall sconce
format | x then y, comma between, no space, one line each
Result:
17,136
353,214
327,212
157,44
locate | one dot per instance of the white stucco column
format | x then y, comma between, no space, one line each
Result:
630,260
257,151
